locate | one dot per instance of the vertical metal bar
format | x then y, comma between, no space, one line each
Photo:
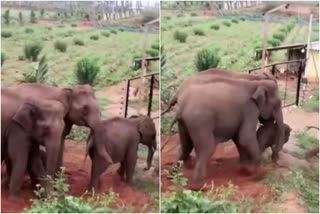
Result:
127,99
301,69
273,70
150,96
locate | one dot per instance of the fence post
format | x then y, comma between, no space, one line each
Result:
301,69
127,99
273,70
150,95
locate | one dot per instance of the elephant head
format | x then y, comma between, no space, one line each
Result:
43,122
269,104
148,133
84,109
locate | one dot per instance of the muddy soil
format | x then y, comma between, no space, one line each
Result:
78,175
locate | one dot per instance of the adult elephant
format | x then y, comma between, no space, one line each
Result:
79,102
25,124
226,109
210,75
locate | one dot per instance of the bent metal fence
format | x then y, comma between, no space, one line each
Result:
289,83
152,80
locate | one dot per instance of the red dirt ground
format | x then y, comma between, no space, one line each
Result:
223,167
78,177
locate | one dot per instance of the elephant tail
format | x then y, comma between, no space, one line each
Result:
175,119
172,102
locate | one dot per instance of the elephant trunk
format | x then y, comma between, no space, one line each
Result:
151,150
280,135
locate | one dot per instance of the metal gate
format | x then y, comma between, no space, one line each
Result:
150,96
288,96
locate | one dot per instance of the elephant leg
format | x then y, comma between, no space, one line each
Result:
19,166
6,179
130,164
248,140
243,154
185,143
36,167
204,145
97,168
121,170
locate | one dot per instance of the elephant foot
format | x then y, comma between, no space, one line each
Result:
146,168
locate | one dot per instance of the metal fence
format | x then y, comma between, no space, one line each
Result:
289,89
152,79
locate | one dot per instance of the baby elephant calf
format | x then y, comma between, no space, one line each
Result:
267,132
116,140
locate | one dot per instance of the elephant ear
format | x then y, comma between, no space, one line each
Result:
146,129
26,116
260,96
67,98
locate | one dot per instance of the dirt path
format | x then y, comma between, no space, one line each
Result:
78,175
224,164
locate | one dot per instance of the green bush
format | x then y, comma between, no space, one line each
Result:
312,104
274,42
153,52
60,202
180,36
28,30
194,14
74,25
121,29
180,15
3,58
189,201
6,34
279,36
32,51
284,30
137,63
61,46
226,23
242,19
235,21
79,42
155,46
207,58
39,74
198,31
215,27
113,31
20,18
94,37
87,70
106,34
6,17
33,18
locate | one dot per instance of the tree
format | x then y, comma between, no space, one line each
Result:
42,12
6,17
20,18
33,17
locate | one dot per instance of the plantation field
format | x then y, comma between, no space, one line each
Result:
115,53
236,44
